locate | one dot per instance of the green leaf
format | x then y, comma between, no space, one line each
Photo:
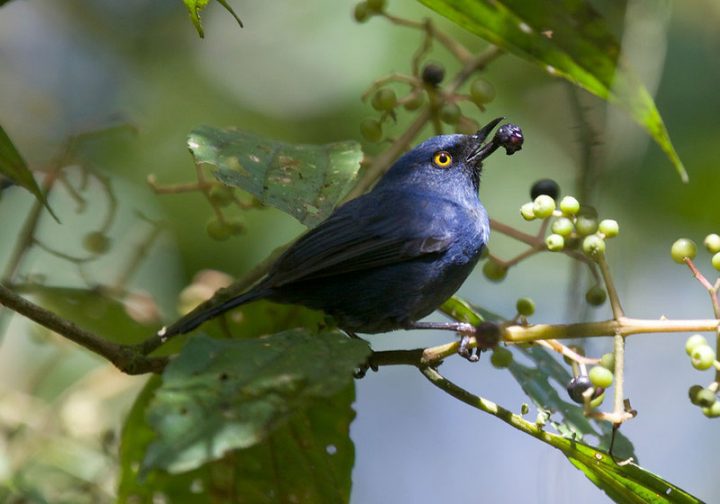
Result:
306,181
13,166
219,395
194,8
568,39
311,457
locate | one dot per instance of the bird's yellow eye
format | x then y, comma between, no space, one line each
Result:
442,159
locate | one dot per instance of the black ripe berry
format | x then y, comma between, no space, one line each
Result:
577,386
433,74
545,186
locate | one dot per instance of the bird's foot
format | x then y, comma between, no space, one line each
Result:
485,336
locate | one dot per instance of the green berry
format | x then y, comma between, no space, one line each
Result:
528,211
693,342
543,206
450,113
577,387
545,186
712,411
414,101
433,74
600,377
593,246
481,91
586,225
563,226
683,248
218,230
608,361
715,261
712,243
494,271
609,227
702,397
702,357
595,296
96,242
597,401
236,225
555,242
384,99
371,130
525,306
221,195
376,5
501,357
361,12
569,205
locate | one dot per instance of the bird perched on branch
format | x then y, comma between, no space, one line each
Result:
390,257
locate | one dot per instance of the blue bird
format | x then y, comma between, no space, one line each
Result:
392,256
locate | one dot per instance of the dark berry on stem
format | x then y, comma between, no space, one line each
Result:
577,387
545,186
433,74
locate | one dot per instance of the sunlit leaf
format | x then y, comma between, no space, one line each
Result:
194,8
220,395
568,39
306,181
14,167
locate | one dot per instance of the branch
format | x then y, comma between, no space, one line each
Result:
126,358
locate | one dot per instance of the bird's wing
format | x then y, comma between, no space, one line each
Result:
368,232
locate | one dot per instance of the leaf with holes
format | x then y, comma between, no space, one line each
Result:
306,181
220,395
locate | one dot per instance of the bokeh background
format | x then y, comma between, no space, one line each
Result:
296,73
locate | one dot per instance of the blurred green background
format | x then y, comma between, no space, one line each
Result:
296,73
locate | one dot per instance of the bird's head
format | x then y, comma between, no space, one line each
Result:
451,162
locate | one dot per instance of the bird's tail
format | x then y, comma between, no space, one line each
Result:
207,311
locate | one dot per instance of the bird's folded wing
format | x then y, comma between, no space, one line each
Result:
358,237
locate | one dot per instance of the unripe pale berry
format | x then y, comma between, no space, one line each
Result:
683,248
527,211
371,130
593,246
450,113
712,411
376,5
694,341
555,242
96,242
586,225
481,91
361,12
596,295
712,243
609,227
608,361
600,377
501,357
414,102
384,99
563,226
543,206
702,357
716,261
218,230
525,306
494,271
569,205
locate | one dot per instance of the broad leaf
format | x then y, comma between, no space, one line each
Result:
306,181
194,8
14,167
310,457
220,395
568,39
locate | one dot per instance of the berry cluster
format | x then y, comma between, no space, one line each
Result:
685,249
703,357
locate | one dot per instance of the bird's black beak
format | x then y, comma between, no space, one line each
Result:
509,136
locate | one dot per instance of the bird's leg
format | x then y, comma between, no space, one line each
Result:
486,335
